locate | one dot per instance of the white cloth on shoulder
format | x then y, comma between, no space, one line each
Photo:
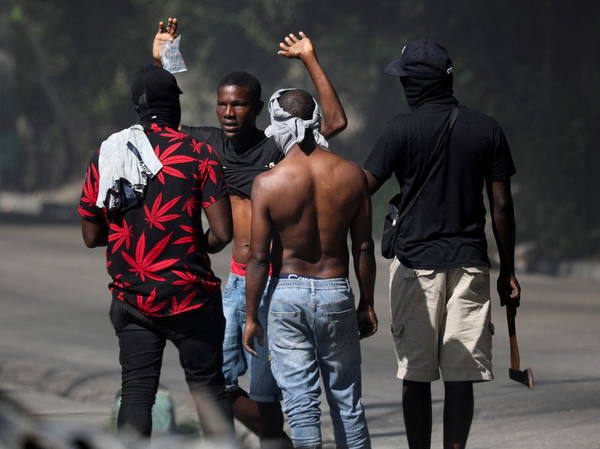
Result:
117,160
288,130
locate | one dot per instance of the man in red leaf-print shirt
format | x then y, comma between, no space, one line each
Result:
162,283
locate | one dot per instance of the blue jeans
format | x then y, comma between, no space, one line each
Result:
313,330
236,361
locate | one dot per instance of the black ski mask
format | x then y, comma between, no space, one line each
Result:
155,94
419,91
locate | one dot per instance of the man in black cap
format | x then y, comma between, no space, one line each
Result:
162,284
441,155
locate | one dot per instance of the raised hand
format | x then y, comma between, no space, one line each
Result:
164,34
292,47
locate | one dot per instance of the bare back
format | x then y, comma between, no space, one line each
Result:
312,202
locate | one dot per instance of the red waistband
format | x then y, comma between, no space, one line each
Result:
240,269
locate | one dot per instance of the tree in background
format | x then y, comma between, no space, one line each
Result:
531,65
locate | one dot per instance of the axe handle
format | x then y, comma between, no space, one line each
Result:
515,361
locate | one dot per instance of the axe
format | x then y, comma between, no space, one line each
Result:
526,376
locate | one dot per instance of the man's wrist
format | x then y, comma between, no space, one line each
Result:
365,304
308,57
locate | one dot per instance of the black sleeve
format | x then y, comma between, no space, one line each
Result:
200,133
502,164
383,158
211,179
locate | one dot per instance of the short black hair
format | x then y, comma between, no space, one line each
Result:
297,102
243,79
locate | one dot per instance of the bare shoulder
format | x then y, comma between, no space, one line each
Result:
353,168
262,181
273,180
338,161
350,171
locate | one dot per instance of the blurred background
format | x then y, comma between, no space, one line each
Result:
65,69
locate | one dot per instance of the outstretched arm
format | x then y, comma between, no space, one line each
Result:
164,34
258,265
334,117
503,224
364,263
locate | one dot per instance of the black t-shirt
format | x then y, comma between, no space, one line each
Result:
445,227
240,166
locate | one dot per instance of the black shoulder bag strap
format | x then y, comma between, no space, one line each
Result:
435,157
392,220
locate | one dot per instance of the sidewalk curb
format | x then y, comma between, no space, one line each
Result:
64,379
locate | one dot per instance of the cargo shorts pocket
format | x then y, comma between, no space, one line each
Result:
478,272
397,338
412,273
475,283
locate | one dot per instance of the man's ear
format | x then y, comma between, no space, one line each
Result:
259,107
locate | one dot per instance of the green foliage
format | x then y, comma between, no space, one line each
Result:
531,65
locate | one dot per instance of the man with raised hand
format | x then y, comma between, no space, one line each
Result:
246,152
143,196
306,206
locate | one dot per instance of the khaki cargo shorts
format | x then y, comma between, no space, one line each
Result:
441,320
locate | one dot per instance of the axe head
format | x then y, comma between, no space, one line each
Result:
524,377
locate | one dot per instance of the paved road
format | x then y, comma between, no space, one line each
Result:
54,314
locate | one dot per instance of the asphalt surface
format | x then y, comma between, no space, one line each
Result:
58,353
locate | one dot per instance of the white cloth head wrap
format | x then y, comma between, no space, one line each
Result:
288,130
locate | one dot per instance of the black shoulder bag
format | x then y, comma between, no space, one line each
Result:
394,217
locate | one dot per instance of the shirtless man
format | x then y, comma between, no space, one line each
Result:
247,152
307,205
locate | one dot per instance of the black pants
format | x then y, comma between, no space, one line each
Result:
198,335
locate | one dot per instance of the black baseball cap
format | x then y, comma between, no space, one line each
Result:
151,84
423,59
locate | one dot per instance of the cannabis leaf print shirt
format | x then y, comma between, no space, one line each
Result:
156,252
